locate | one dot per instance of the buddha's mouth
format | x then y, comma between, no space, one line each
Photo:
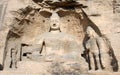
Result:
54,25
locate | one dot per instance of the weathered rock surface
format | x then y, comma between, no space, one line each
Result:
103,13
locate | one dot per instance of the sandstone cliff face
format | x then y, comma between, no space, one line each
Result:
103,13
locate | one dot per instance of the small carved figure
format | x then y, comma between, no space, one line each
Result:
13,58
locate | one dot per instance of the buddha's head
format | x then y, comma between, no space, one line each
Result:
90,32
55,21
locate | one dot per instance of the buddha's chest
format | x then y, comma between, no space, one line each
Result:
55,42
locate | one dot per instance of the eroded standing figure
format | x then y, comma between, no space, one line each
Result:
94,46
13,58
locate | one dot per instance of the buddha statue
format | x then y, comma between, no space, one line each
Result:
57,46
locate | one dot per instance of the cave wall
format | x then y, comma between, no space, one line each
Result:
106,21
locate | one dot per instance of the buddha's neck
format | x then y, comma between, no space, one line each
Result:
55,31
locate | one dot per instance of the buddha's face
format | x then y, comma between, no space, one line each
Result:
90,33
55,24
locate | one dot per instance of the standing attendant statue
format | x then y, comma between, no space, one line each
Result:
94,47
